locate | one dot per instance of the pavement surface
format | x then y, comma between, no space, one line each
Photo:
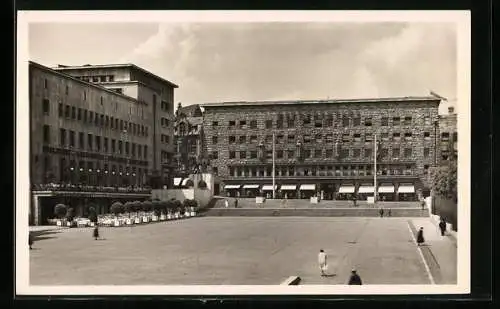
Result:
243,250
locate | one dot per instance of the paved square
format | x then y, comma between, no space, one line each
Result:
230,250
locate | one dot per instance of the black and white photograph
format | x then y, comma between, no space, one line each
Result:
259,152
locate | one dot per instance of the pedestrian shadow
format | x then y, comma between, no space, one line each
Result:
329,275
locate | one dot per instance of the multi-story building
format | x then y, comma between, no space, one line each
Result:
323,148
188,132
448,136
90,141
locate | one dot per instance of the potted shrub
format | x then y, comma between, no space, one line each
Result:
116,209
128,207
70,216
147,206
191,206
60,211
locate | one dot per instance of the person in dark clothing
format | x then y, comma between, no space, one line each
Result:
235,203
389,213
422,203
355,279
381,212
354,200
96,233
30,240
442,226
420,236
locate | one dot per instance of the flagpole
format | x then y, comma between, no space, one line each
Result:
274,170
375,168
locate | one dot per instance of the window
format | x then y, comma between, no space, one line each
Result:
98,143
232,155
306,120
357,137
215,124
62,137
120,147
85,95
214,139
232,139
253,139
253,124
145,151
232,123
279,154
427,120
67,111
408,136
89,141
243,154
66,90
356,153
407,121
408,152
384,153
368,122
72,138
81,140
290,154
329,153
269,139
368,153
46,106
396,136
45,84
445,136
215,170
269,124
329,138
61,110
46,134
318,138
368,138
279,122
280,139
384,121
90,117
96,119
307,139
215,155
318,122
396,121
395,152
344,153
113,146
243,139
346,137
317,153
307,153
426,152
427,136
426,169
356,121
385,136
106,148
243,124
345,121
291,138
127,148
290,121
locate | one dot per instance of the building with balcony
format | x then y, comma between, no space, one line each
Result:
324,147
89,140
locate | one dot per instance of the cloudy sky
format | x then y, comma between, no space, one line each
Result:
214,62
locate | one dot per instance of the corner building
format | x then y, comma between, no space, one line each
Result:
323,148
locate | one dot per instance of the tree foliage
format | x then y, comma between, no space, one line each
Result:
60,210
444,180
117,208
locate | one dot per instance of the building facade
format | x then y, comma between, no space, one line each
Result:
448,137
323,148
90,141
188,138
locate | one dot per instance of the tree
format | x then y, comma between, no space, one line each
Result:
190,203
92,214
157,207
60,210
177,205
444,180
116,208
147,206
128,207
70,214
136,206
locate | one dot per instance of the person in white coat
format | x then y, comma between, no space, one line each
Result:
226,203
322,261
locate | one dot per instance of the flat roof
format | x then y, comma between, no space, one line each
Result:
113,66
333,101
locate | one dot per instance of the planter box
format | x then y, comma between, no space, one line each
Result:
154,218
145,219
128,221
163,218
137,220
187,214
169,217
59,223
68,224
92,224
177,216
193,213
116,223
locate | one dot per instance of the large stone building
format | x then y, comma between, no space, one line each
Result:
91,139
448,136
324,147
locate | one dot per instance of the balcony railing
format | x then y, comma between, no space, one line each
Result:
86,188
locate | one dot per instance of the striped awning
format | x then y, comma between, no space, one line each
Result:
250,186
288,187
177,181
269,187
406,189
386,188
366,189
232,187
308,187
347,189
185,181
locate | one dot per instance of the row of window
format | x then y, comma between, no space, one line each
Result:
329,170
319,121
101,120
164,122
165,139
328,153
96,143
96,78
106,169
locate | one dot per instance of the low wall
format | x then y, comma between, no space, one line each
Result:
446,208
203,197
315,212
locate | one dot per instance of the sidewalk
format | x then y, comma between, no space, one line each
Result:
440,252
43,228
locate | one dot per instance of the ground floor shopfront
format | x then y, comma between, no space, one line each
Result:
43,203
408,189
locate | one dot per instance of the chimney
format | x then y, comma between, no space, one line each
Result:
451,110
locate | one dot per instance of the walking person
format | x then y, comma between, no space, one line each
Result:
420,237
96,233
381,212
442,226
322,261
226,203
422,203
30,240
354,279
235,203
389,213
354,200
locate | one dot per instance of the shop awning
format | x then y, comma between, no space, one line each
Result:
346,189
269,187
250,186
406,189
231,187
366,189
307,187
177,181
386,189
288,187
185,181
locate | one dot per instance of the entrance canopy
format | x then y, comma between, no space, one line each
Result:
366,189
231,187
269,187
406,188
250,186
386,188
288,187
307,187
347,189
